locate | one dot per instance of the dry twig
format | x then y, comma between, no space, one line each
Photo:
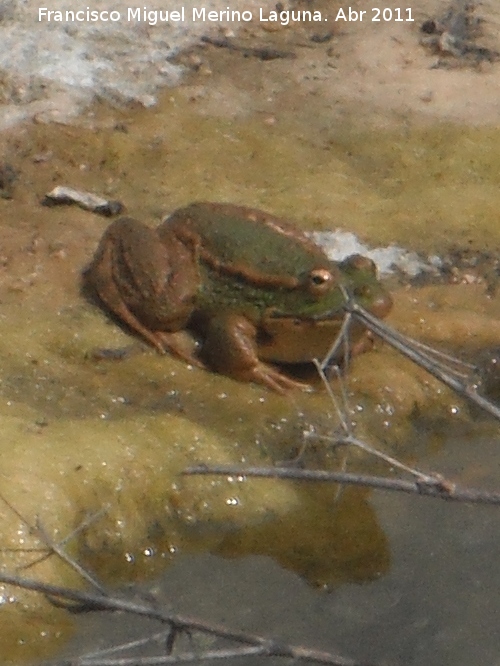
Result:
79,601
431,486
424,357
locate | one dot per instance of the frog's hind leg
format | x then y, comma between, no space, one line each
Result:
99,278
113,302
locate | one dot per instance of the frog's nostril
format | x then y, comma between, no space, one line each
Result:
362,291
382,305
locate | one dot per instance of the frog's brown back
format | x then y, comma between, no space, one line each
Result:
248,239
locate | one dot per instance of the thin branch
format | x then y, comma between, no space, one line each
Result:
94,601
182,657
394,462
61,553
431,486
30,527
423,359
346,423
342,338
51,546
343,414
130,645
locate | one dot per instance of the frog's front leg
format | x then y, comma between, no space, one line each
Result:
230,347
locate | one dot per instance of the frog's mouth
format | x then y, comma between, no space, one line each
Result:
294,319
379,307
314,318
312,313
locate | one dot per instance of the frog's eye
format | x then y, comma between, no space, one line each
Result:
320,280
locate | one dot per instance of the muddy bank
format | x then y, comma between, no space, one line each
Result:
56,59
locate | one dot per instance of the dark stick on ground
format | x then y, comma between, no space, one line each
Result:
262,52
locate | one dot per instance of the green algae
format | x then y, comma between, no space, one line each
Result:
415,185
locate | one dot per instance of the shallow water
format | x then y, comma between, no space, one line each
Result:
434,600
82,435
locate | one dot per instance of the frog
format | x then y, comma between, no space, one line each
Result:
232,289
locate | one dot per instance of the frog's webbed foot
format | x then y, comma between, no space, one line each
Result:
230,347
263,373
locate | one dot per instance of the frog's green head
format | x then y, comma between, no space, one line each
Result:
304,321
320,293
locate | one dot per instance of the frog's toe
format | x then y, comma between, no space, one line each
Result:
266,374
181,344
